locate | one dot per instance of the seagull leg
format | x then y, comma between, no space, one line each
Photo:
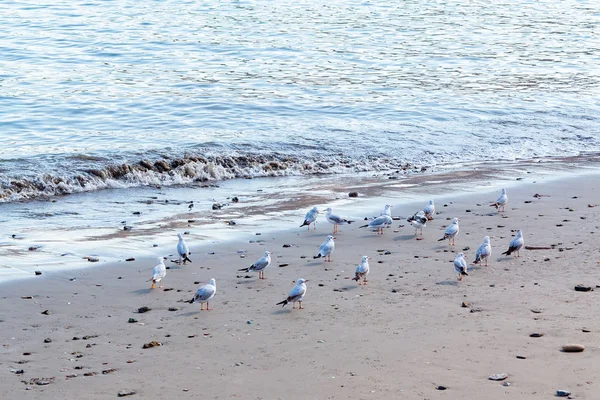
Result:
294,305
364,281
207,307
300,305
152,287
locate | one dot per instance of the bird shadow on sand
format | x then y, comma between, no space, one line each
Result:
405,237
473,268
317,263
282,311
192,313
347,288
448,283
142,291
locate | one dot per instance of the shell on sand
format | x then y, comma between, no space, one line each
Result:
573,348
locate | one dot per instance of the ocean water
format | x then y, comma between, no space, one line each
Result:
103,99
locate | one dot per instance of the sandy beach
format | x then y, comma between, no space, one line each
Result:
403,335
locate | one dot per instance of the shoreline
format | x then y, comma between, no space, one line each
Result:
354,342
63,249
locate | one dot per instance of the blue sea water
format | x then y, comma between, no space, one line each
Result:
217,90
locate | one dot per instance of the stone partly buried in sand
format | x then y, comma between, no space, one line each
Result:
573,348
498,377
153,343
124,393
583,288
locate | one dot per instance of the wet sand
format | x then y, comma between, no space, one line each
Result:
402,335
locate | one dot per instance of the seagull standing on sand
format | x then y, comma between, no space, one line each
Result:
501,202
205,293
335,220
516,244
183,250
419,220
451,232
362,270
484,251
460,266
311,218
326,248
158,273
296,294
260,265
429,210
379,223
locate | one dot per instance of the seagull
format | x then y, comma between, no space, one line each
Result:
516,244
326,248
451,232
419,220
260,265
484,251
362,270
429,210
460,266
296,294
335,220
191,205
379,223
387,210
158,273
183,250
311,218
501,202
204,294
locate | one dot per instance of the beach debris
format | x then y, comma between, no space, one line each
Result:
585,330
46,312
536,311
38,273
563,393
283,265
153,343
231,222
47,340
249,322
353,194
109,371
506,384
583,288
216,206
143,309
235,200
465,304
498,377
173,308
17,371
521,357
92,258
573,348
127,227
39,381
130,259
538,248
287,245
536,334
35,247
441,387
132,320
127,392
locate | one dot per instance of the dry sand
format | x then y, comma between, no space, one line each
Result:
401,336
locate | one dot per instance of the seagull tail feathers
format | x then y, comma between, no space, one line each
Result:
284,302
364,226
444,238
186,258
317,256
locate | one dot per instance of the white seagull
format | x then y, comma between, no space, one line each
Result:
419,220
158,273
451,232
362,270
484,251
205,293
429,210
311,218
387,210
501,202
379,223
260,265
326,248
335,220
183,250
296,294
460,266
516,244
